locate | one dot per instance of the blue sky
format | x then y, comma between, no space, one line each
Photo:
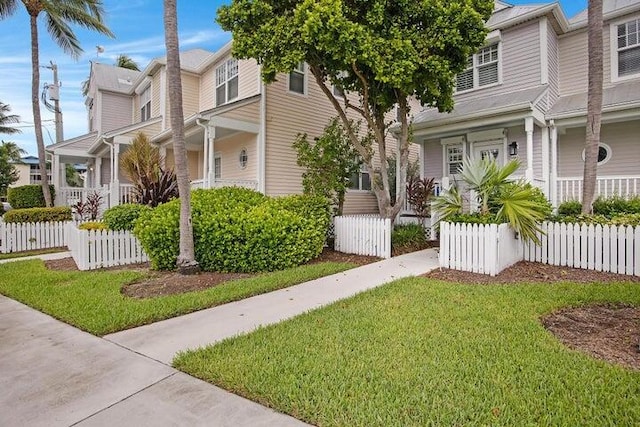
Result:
138,27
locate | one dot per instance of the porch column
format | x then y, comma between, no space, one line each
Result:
545,161
212,163
115,179
55,175
528,127
205,158
97,173
554,164
163,156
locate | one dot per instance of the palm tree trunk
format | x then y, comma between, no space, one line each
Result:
35,103
186,262
594,105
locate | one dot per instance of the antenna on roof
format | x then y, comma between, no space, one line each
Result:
99,50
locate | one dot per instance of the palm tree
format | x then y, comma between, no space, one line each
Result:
122,61
57,16
186,261
594,106
8,119
10,154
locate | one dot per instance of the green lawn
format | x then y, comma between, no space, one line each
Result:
419,352
92,300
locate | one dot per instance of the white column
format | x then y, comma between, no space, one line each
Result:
554,164
545,161
97,173
55,171
212,153
115,181
205,159
528,127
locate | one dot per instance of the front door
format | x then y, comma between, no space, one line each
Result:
494,151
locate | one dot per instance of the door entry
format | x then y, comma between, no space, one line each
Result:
490,151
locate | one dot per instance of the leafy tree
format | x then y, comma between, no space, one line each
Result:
57,16
594,105
10,154
386,52
329,162
500,199
72,176
7,119
186,261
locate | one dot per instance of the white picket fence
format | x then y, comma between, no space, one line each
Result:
363,235
18,237
93,249
491,248
486,249
610,248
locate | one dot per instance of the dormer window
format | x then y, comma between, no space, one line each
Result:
483,69
227,82
145,104
626,49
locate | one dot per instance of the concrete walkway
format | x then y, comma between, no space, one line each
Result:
162,340
45,257
52,374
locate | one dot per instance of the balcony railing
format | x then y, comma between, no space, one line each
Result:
570,188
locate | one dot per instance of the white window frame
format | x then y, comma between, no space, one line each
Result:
362,171
477,65
607,147
613,38
451,142
145,104
246,155
300,69
229,71
217,166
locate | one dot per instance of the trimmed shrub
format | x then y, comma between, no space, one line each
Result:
572,207
93,225
238,230
612,206
38,215
632,219
28,196
408,234
123,217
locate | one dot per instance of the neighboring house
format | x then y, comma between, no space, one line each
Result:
29,172
238,130
524,95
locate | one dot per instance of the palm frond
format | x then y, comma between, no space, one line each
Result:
448,203
8,8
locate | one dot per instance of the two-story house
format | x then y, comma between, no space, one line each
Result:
524,95
238,130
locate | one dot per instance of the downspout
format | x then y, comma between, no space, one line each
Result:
262,140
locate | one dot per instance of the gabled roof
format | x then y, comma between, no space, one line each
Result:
506,15
610,10
619,97
191,60
80,143
112,78
485,106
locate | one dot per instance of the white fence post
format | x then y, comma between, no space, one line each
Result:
363,235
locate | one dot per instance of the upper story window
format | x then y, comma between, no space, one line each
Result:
35,177
145,104
227,82
297,79
627,49
482,69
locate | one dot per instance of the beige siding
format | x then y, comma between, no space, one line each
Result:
433,158
248,78
553,54
24,177
194,163
537,153
208,88
359,202
105,171
190,94
229,151
116,111
621,137
156,88
520,62
149,130
249,113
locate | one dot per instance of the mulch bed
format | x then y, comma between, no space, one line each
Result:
168,283
608,332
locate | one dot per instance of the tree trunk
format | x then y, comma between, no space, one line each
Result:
35,104
186,262
594,106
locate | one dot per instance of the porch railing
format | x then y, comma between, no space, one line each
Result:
69,196
127,193
570,188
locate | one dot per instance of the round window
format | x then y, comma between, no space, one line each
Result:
243,158
604,153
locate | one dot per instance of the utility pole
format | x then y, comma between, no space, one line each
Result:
54,95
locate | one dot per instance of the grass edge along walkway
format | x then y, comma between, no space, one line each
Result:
423,352
92,301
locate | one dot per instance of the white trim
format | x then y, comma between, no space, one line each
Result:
234,124
261,141
246,154
544,51
486,135
613,50
475,67
163,97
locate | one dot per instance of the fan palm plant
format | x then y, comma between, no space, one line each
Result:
7,119
500,198
58,15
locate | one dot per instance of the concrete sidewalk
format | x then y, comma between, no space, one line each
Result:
45,257
162,340
52,374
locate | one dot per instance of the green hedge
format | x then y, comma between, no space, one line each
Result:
607,207
28,196
238,230
408,234
123,217
38,215
93,225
